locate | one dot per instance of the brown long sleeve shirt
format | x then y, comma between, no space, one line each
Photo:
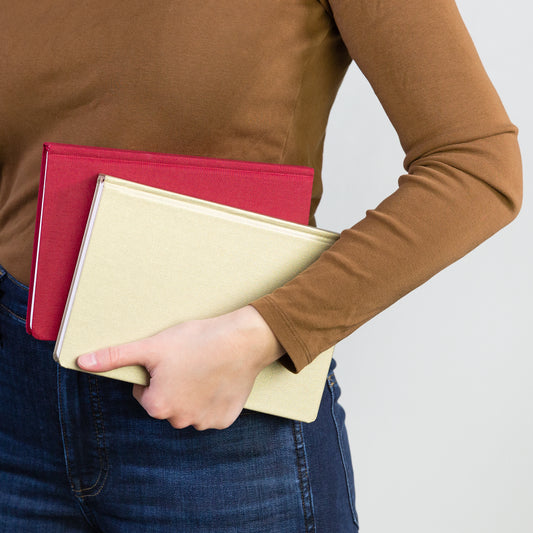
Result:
256,80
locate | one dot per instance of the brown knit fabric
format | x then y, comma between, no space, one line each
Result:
256,80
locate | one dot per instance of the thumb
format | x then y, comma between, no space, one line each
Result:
132,353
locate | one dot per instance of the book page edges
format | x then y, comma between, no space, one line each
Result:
37,240
79,267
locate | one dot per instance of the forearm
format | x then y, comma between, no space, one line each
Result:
463,180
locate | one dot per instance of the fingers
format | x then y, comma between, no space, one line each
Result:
133,353
196,379
182,416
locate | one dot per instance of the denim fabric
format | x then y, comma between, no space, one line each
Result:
78,453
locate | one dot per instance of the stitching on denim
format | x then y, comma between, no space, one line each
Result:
303,478
351,495
13,314
331,379
63,430
87,489
66,449
98,425
86,513
102,451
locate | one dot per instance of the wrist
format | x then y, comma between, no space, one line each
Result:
264,344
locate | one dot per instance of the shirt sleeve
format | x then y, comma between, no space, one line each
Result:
463,179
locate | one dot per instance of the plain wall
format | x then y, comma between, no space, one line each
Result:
437,388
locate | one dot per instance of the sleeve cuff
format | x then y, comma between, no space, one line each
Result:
298,355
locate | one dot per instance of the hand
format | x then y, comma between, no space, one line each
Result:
201,371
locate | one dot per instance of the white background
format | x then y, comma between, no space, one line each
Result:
438,388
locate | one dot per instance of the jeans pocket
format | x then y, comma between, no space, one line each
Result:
11,314
339,416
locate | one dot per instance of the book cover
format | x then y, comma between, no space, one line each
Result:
68,178
151,259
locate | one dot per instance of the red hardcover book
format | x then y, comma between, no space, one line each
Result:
68,180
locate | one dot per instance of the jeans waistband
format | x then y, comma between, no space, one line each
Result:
13,293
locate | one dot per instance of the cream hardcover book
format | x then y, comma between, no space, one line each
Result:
151,259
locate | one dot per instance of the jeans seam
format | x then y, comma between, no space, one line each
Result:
63,431
86,513
98,423
303,478
104,470
331,382
13,314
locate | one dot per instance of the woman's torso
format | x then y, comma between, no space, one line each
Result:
243,80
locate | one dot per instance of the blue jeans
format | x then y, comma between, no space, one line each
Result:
78,453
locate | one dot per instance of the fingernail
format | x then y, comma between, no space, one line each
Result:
87,360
